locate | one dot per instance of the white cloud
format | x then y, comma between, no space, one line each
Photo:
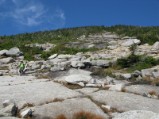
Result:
33,13
60,14
29,15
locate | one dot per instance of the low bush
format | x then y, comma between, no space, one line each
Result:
103,72
137,62
29,52
81,115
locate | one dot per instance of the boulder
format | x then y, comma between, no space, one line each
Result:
155,74
2,52
76,64
136,73
1,73
6,60
35,66
6,103
106,107
126,76
91,46
101,63
146,72
155,46
93,85
137,114
130,42
76,78
10,110
117,87
53,56
112,81
14,52
26,113
112,47
64,56
57,68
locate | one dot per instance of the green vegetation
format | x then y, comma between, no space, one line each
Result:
137,62
61,49
29,52
54,36
146,34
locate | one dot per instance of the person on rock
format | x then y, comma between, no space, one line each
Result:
21,68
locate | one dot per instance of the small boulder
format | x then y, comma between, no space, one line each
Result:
14,52
53,56
130,42
117,87
6,103
6,60
101,63
1,73
146,72
155,74
76,64
64,56
26,113
155,46
76,78
2,52
126,76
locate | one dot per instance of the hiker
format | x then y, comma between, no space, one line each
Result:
21,68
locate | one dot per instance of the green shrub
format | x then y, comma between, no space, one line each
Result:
128,61
136,62
29,52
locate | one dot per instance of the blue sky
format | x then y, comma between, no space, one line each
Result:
21,16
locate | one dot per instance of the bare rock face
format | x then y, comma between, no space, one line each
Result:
68,108
125,101
137,114
141,89
34,92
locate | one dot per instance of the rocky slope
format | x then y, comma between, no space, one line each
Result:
64,85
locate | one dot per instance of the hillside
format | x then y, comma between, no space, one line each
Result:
92,72
62,36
